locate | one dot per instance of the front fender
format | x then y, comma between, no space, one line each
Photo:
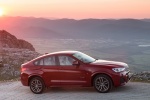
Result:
101,72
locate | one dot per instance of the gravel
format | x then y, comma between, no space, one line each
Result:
131,91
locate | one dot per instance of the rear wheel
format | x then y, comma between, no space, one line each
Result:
102,83
37,85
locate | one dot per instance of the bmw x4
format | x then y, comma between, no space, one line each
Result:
73,68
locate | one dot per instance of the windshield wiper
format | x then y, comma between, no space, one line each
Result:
96,59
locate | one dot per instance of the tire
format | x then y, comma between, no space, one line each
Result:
102,83
37,85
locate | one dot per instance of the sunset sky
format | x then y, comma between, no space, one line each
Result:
77,9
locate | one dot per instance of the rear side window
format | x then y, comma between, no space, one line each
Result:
39,62
47,61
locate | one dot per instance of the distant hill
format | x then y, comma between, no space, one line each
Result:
27,27
8,40
147,20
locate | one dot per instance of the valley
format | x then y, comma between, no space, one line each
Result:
126,51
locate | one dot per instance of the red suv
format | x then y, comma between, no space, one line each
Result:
73,68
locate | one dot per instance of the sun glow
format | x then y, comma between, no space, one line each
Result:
1,12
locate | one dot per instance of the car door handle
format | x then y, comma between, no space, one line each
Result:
82,77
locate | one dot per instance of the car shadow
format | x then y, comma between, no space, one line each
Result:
86,89
70,89
125,88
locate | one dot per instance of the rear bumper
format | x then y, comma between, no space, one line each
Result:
24,79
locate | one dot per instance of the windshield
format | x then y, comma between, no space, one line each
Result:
83,57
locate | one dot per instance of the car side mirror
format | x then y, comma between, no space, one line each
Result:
76,63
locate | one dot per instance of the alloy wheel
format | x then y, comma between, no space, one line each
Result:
36,85
102,83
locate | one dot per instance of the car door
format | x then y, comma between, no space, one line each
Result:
50,70
70,74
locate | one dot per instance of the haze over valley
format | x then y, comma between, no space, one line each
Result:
126,40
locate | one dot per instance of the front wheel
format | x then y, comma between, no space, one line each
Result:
102,83
37,85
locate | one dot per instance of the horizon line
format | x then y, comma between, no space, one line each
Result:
56,18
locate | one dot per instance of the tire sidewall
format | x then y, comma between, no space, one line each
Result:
43,86
109,80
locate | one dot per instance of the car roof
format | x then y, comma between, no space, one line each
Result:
57,53
62,52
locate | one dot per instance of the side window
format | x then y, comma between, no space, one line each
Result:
65,60
49,61
39,62
46,61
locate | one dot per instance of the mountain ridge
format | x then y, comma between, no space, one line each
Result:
8,40
71,28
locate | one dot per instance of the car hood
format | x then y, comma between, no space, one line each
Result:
109,63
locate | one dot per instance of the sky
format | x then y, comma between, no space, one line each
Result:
77,9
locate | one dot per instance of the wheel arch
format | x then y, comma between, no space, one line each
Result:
33,76
95,74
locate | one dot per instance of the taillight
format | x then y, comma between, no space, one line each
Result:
23,69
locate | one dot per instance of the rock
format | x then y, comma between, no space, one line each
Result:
10,41
25,45
13,53
143,76
1,63
12,59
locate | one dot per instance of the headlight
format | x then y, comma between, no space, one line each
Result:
118,69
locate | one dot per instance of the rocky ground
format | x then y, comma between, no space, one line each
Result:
11,60
141,77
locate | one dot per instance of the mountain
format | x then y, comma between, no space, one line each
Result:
146,19
30,27
10,41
